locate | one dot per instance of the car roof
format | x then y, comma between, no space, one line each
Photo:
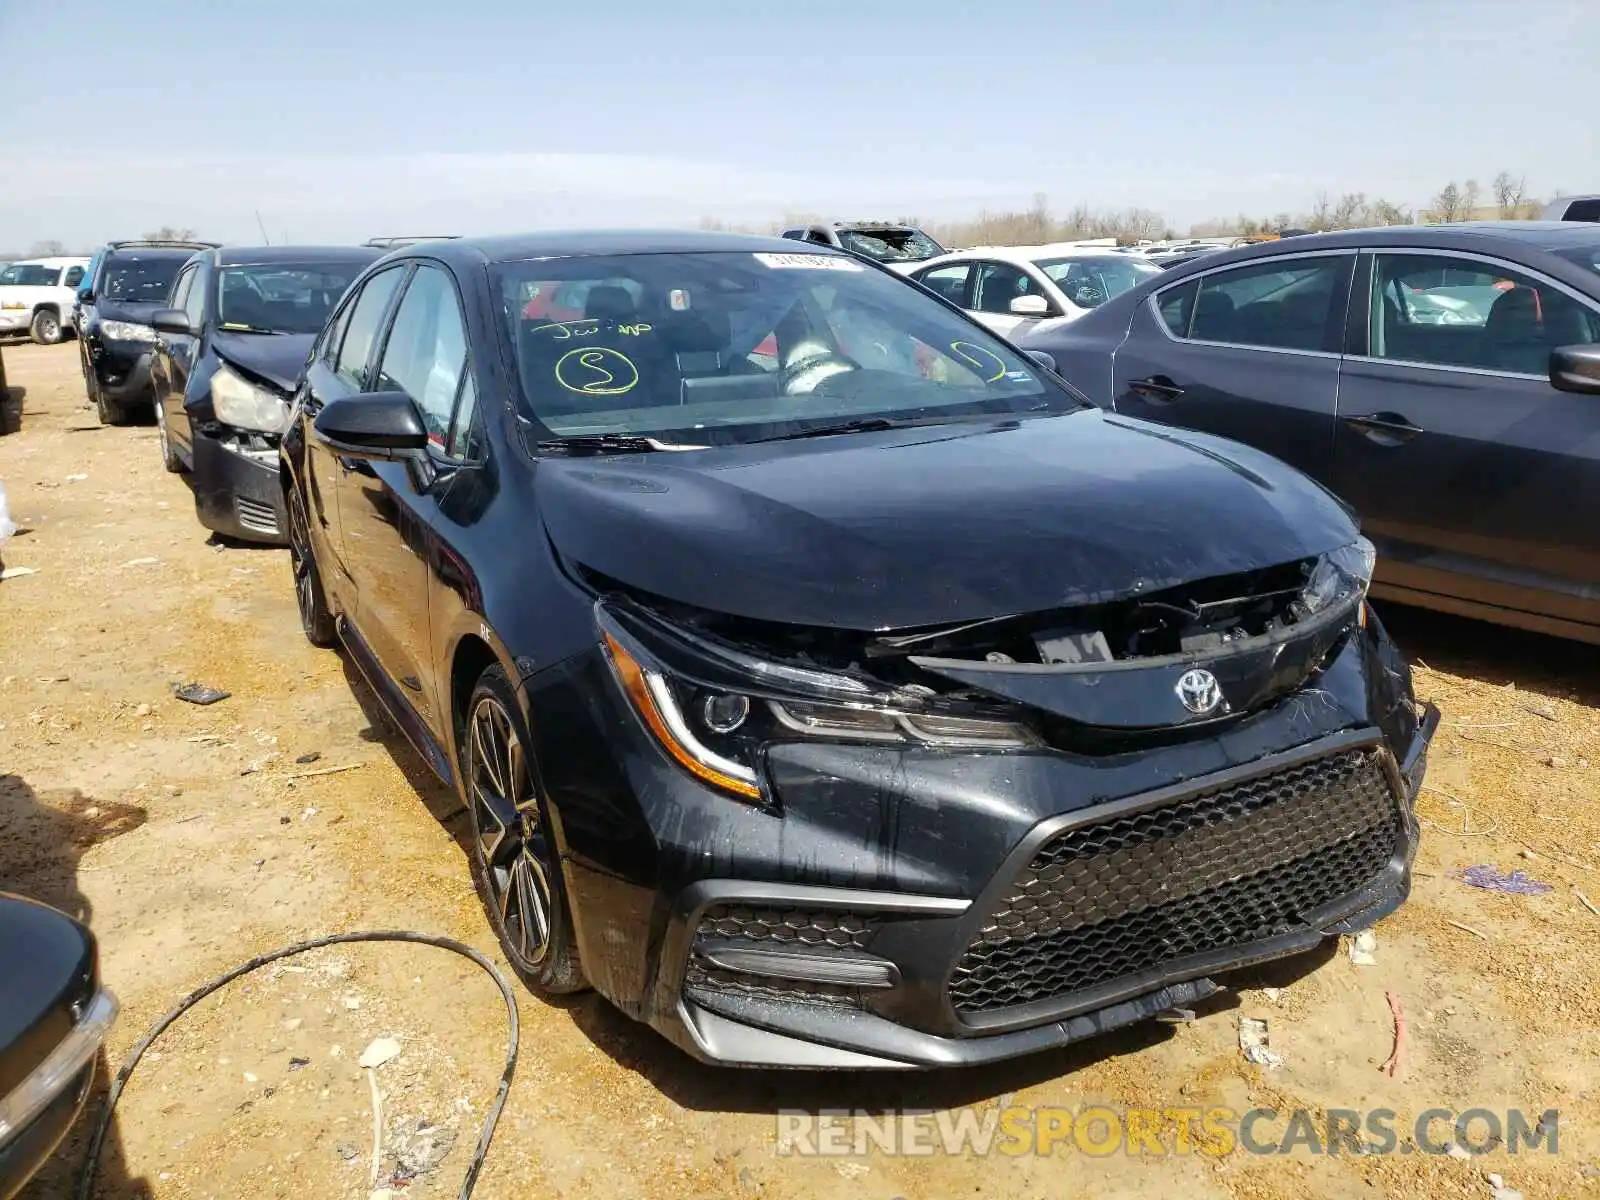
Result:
147,252
262,256
56,260
587,243
1465,235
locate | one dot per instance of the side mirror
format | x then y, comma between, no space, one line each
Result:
172,320
1043,357
1576,369
86,296
1030,306
380,425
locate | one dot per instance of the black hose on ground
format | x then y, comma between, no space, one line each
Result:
86,1179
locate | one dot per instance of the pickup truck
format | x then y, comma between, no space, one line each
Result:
36,297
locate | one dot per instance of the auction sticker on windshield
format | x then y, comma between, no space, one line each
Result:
808,262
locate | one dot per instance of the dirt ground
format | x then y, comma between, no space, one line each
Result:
186,839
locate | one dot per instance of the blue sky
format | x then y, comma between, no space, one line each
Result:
346,118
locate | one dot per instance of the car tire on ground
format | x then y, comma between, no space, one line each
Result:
514,861
169,457
316,619
109,411
46,328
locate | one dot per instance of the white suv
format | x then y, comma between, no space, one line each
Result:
37,294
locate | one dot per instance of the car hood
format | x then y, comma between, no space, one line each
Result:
138,311
927,525
276,357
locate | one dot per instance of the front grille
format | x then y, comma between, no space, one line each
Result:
774,928
253,514
1219,868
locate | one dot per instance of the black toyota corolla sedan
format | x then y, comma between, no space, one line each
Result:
829,684
229,351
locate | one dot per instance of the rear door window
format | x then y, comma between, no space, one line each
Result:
1278,304
950,282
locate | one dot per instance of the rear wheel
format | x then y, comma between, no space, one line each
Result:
46,327
315,618
514,861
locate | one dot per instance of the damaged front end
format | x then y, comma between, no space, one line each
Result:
962,843
1084,679
235,451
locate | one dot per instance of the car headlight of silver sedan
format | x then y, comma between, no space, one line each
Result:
246,405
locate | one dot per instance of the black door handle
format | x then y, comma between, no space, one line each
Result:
1158,388
1384,426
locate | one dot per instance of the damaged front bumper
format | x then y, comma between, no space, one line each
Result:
912,906
235,482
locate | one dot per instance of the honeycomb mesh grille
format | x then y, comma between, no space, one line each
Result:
792,926
774,928
1222,867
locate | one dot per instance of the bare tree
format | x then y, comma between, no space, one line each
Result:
1449,204
1386,212
170,233
1321,215
1470,194
50,248
1510,196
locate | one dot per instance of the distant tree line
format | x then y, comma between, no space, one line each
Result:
53,248
1507,199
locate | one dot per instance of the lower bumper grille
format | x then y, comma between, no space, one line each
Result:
772,929
1222,867
253,514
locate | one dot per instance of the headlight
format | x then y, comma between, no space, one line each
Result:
246,405
717,733
1339,576
127,331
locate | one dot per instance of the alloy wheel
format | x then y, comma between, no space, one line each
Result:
305,583
510,838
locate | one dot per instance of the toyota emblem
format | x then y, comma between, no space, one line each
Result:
1199,692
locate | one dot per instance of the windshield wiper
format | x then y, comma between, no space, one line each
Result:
861,425
240,327
609,443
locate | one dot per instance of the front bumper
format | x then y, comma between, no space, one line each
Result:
39,1110
121,370
916,908
236,490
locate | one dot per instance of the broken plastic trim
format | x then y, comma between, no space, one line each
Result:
1342,613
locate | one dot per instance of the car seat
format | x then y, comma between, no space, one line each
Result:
1514,333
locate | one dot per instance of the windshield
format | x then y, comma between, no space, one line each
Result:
139,281
1089,281
282,297
890,245
736,347
29,275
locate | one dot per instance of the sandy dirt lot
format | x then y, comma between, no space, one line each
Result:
183,836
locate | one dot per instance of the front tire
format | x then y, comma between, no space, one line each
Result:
316,620
46,328
514,860
169,458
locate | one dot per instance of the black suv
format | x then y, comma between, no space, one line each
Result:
130,282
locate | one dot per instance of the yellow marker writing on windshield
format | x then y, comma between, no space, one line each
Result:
980,360
596,371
